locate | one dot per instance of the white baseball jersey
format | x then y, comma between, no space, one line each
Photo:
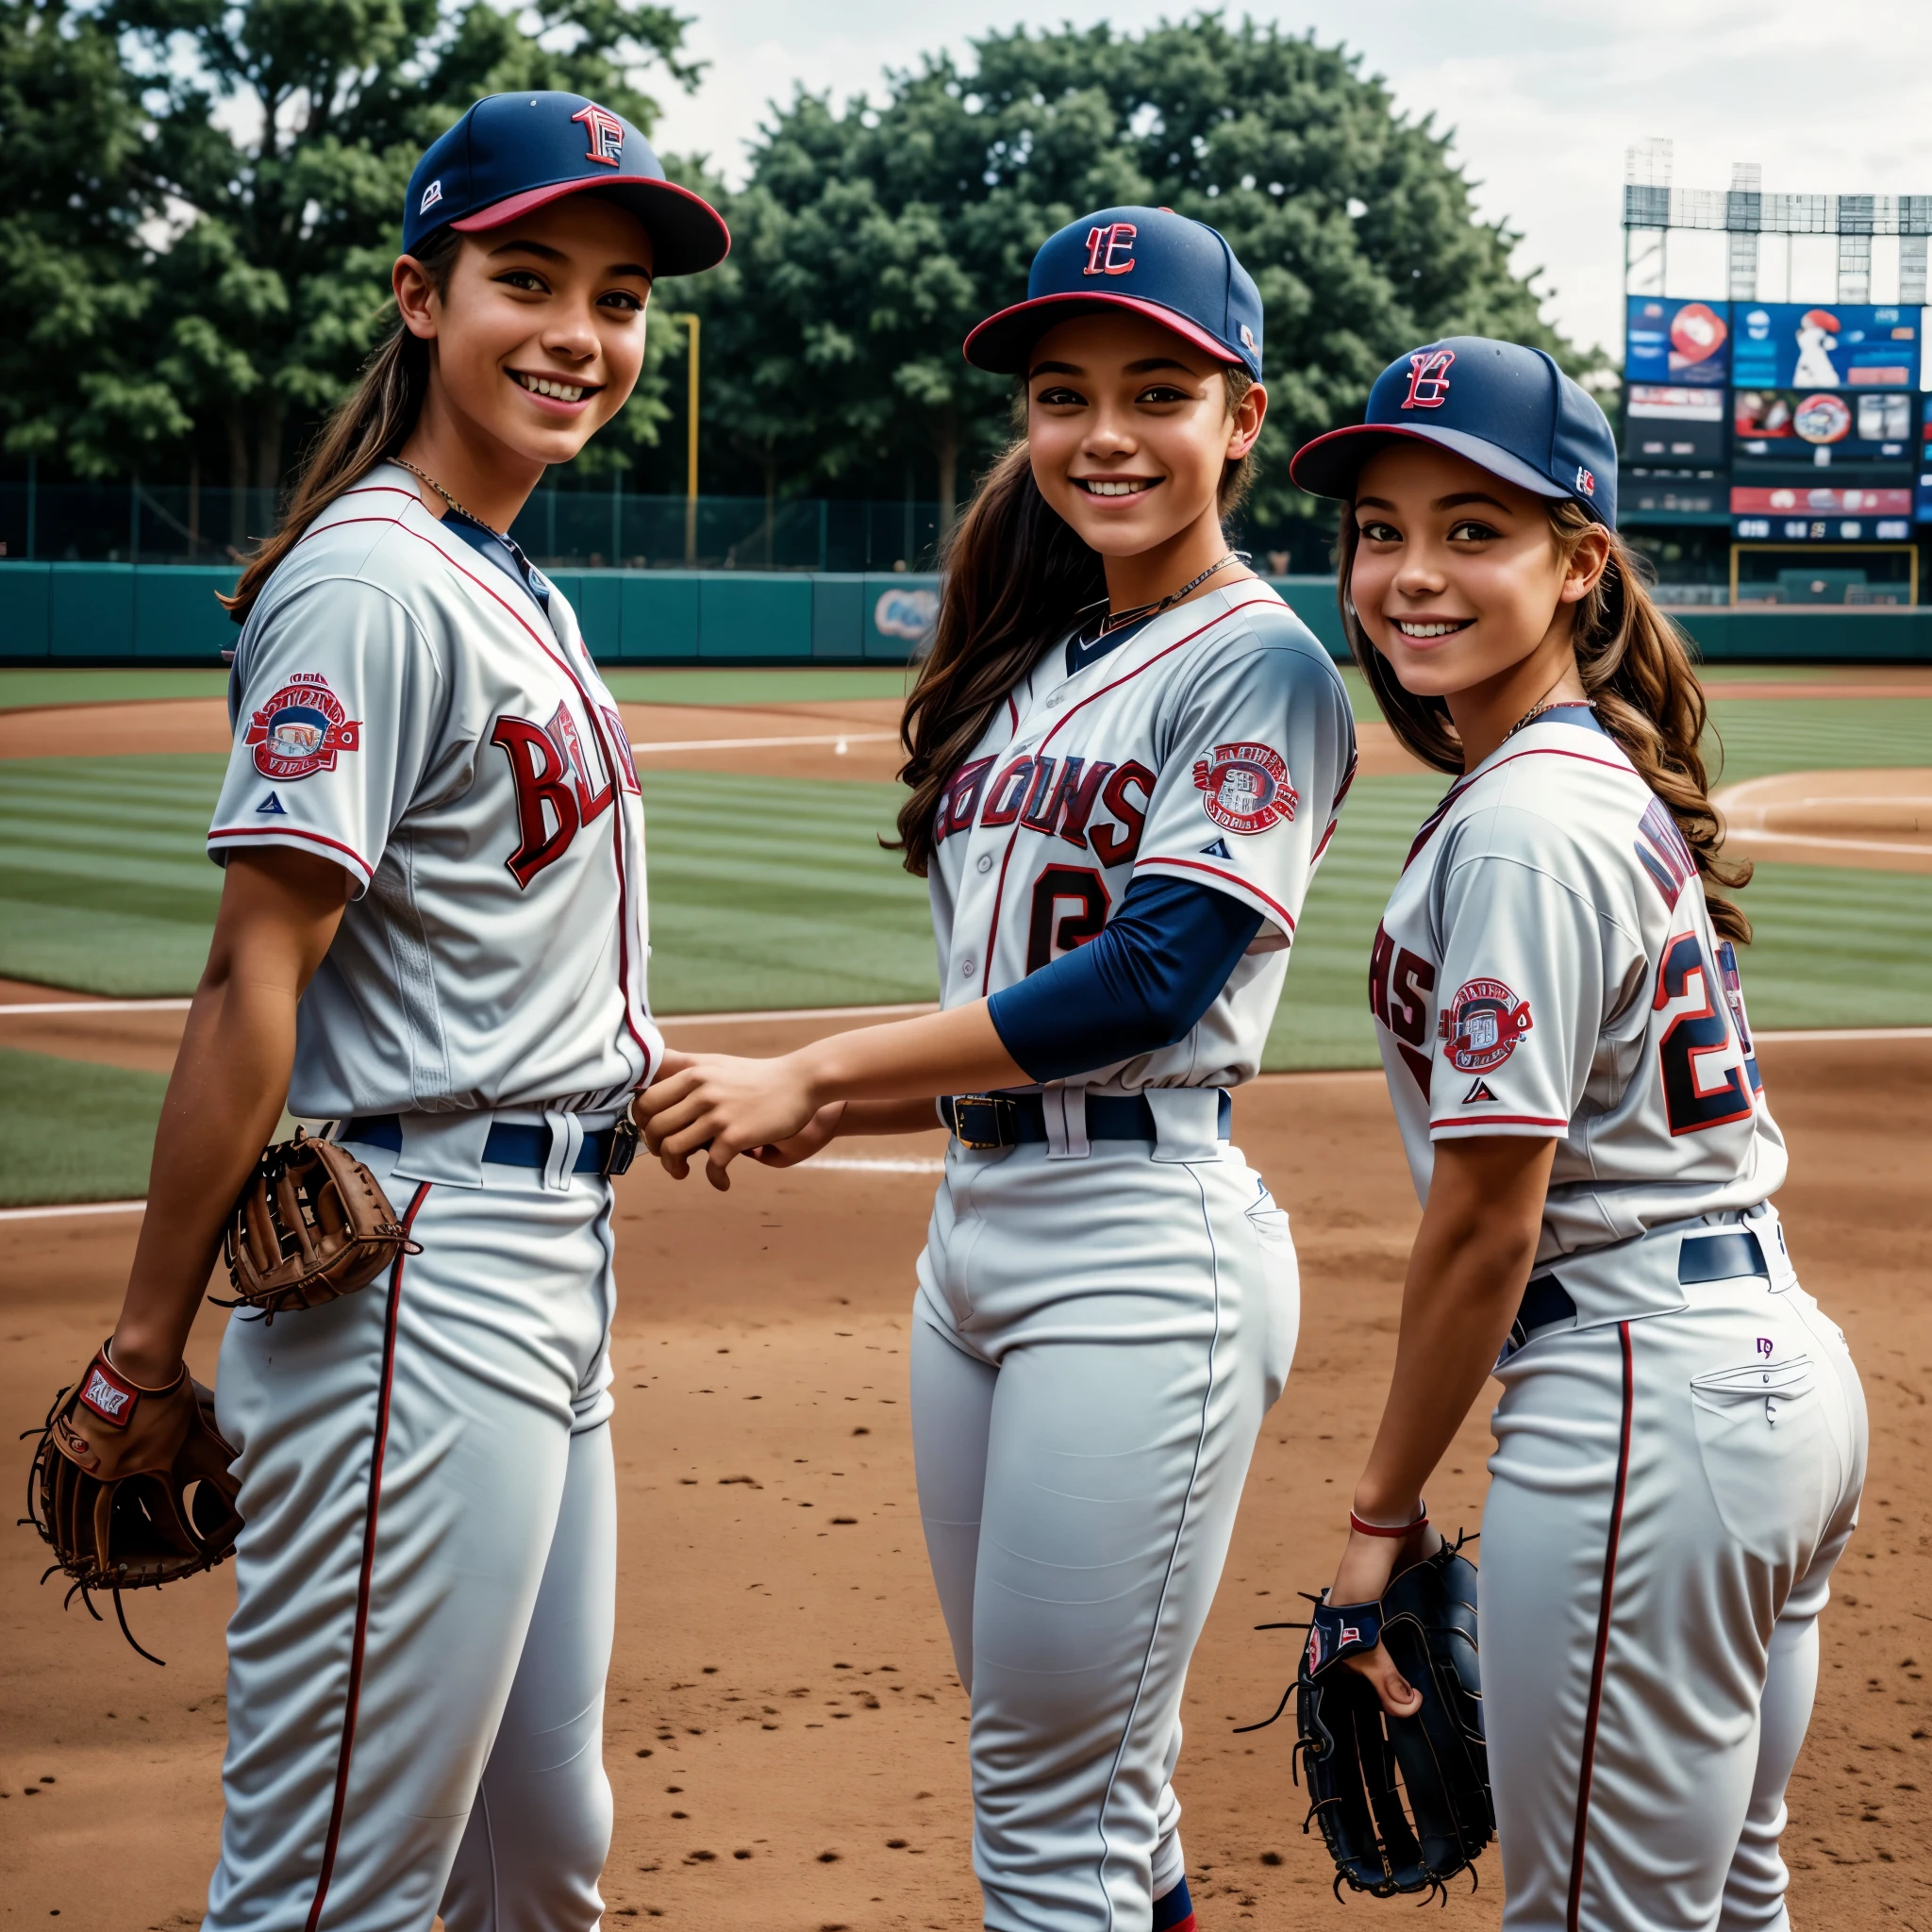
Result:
405,708
1214,746
1547,966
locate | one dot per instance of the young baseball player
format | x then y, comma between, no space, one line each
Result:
432,931
1126,757
1681,1436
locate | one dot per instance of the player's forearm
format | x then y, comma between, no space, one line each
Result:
278,914
956,1052
222,1106
1467,1272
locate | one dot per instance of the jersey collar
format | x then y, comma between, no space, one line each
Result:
1158,631
476,538
1547,732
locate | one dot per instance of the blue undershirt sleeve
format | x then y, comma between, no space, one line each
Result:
1142,983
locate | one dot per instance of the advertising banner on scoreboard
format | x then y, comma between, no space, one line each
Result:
1665,424
1836,346
1856,424
1676,344
1821,515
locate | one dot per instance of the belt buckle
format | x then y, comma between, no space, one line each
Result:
622,1150
1001,1119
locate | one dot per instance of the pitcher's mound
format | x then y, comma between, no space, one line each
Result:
1880,820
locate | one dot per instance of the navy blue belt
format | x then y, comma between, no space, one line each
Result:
1721,1257
1700,1257
1017,1120
512,1143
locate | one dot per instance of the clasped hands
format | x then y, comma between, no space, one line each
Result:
721,1105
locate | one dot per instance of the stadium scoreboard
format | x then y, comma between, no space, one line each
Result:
1806,421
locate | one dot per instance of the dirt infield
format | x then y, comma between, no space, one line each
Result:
1877,820
762,1411
837,738
825,738
705,737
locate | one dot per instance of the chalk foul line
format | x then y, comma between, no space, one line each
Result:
87,1006
843,1163
71,1208
837,740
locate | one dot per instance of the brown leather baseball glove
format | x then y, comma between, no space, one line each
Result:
312,1223
130,1485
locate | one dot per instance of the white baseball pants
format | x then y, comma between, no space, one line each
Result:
427,1579
1670,1495
1094,1345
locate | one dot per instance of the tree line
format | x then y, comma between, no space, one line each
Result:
203,203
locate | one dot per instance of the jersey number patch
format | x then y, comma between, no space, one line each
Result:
1692,1103
1070,905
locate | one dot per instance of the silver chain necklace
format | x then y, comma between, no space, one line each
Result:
1115,621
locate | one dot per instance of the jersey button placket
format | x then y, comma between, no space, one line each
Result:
984,862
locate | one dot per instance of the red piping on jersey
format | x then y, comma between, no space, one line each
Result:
1348,778
992,931
359,1645
1603,1636
292,832
1455,791
597,727
1501,1120
1281,912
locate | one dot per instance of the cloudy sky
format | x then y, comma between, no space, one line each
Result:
1544,97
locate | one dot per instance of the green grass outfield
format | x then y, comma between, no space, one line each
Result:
1755,736
769,892
72,1132
35,686
773,892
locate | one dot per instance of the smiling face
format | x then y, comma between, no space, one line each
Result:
539,338
1457,579
1129,430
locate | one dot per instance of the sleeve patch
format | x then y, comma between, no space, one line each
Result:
1246,787
1482,1024
301,730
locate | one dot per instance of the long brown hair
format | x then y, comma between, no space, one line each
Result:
1016,577
1634,663
370,425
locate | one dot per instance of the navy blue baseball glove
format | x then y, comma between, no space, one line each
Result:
1403,1802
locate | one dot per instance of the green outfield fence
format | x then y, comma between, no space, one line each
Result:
124,614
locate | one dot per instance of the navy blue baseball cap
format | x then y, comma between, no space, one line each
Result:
1177,273
512,153
1510,411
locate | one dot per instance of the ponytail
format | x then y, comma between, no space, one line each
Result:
1635,667
371,425
1016,578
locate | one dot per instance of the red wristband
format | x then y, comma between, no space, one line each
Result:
1356,1522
